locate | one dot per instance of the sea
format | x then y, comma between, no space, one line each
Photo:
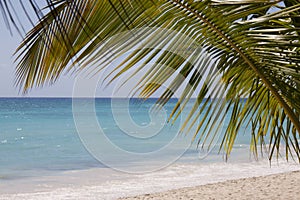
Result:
112,148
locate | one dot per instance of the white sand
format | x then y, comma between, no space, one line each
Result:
278,186
108,184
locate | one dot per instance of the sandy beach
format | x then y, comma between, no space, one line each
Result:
220,181
276,186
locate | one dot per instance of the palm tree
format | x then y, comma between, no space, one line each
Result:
253,46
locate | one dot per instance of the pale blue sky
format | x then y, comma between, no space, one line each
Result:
7,66
62,88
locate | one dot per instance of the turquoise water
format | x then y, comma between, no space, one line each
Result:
48,150
38,135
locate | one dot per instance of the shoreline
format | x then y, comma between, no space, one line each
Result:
280,186
188,181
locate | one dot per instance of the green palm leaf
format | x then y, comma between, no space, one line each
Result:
246,52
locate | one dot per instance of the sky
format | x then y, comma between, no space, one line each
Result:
62,88
8,45
65,85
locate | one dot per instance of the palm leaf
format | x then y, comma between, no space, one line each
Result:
252,53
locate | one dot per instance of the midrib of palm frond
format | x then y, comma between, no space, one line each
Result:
234,46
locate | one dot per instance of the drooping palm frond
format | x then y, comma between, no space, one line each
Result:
61,34
252,46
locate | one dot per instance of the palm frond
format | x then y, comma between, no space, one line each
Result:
239,58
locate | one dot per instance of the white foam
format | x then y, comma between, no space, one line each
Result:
3,141
109,184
